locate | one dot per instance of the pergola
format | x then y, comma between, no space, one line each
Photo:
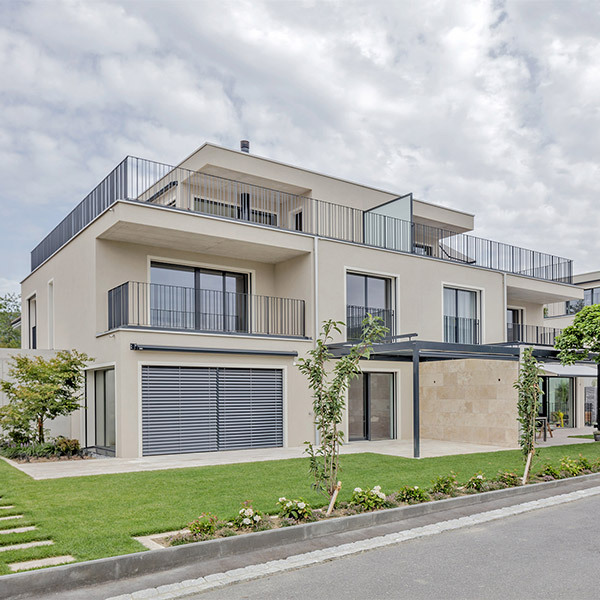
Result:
404,349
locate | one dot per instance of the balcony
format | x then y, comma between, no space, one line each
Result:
174,308
355,316
176,188
531,334
461,330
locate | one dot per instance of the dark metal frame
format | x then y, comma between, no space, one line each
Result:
417,351
367,404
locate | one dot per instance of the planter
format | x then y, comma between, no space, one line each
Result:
597,436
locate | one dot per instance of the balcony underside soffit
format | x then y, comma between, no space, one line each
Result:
162,237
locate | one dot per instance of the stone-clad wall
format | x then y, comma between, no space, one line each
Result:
470,401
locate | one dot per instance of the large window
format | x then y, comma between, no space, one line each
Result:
371,407
367,294
590,296
104,408
32,317
461,323
203,299
557,401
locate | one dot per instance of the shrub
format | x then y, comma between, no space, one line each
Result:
369,499
508,478
445,484
476,483
570,466
298,510
412,495
28,451
584,463
549,470
206,524
248,517
67,446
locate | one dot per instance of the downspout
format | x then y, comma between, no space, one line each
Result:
505,334
316,306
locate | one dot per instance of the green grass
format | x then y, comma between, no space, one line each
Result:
94,517
587,436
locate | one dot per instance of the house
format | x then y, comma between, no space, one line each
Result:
197,287
572,390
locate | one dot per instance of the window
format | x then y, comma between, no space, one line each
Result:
51,314
590,296
241,211
32,317
367,294
203,299
461,324
104,408
514,324
371,407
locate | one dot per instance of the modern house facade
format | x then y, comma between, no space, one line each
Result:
197,287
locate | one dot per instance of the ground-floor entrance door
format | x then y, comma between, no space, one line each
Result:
371,407
557,401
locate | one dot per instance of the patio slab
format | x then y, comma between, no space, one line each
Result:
560,437
104,466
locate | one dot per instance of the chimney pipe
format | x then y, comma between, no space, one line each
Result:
245,146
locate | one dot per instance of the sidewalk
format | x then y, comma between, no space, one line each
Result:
104,466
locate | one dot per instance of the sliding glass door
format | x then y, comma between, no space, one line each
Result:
104,409
371,407
184,297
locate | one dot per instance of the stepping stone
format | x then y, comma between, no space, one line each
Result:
26,545
11,517
17,530
42,562
6,507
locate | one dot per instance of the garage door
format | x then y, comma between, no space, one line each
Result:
199,409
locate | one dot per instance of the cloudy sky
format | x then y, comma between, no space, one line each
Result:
489,107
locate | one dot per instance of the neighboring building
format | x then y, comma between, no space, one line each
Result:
577,386
197,287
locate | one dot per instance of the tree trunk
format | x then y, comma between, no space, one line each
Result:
40,428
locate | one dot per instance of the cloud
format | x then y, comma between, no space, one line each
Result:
488,107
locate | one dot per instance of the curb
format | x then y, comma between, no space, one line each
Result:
103,570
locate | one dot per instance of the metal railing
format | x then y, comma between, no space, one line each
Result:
461,330
531,334
355,316
157,306
174,187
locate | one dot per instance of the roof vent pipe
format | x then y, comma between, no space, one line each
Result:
245,146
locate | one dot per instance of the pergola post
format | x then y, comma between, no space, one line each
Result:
416,416
598,397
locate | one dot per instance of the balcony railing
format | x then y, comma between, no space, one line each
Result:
156,306
355,316
149,182
532,334
461,330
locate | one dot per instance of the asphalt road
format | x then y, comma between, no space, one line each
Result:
549,554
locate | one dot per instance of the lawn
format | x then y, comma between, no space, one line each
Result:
94,517
587,436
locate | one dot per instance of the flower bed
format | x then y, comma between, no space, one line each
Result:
61,448
290,512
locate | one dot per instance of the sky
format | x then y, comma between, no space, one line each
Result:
489,107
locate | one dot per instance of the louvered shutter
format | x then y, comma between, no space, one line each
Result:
250,408
179,410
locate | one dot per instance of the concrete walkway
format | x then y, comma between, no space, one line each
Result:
103,466
560,437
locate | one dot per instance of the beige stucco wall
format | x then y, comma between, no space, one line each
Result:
470,401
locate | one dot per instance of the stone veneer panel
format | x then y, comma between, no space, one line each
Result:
470,401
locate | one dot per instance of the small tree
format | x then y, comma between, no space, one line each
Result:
41,389
578,341
10,309
329,387
528,386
